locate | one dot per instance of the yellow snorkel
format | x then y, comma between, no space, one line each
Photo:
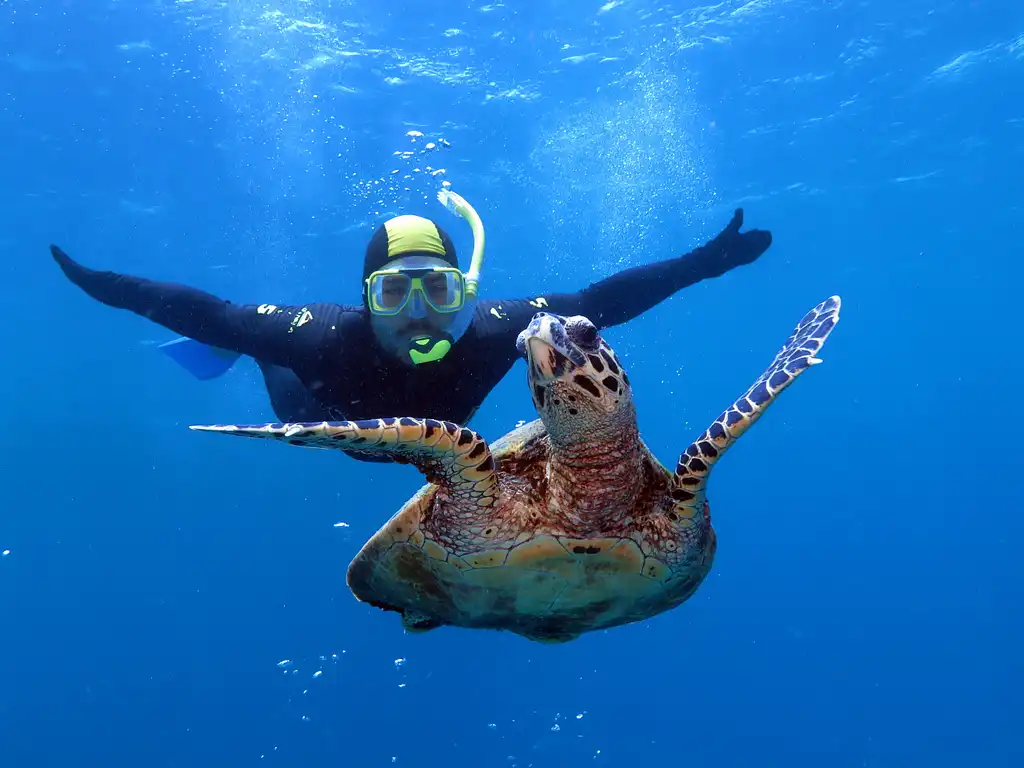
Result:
457,204
429,349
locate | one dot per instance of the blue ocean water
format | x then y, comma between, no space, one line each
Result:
175,599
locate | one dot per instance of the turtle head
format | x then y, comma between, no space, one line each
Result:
578,386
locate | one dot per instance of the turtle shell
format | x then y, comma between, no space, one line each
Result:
526,574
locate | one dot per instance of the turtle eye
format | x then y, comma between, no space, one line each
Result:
582,332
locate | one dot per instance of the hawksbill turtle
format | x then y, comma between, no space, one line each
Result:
566,525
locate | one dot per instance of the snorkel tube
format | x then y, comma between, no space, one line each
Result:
457,204
429,349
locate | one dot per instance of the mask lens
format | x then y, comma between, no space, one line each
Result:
393,290
442,290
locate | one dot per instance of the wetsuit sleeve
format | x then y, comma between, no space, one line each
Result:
630,293
276,334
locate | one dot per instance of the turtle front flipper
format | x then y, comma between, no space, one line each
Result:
454,457
796,356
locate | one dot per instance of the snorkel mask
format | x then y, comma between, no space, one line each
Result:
415,288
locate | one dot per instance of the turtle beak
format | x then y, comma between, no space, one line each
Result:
546,362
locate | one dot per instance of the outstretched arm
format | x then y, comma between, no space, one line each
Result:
278,335
630,293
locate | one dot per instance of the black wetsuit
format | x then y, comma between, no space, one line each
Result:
345,374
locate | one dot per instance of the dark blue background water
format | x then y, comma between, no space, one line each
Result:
865,605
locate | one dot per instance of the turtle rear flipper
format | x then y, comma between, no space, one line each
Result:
456,458
796,356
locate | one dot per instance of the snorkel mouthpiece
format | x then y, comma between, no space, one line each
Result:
428,349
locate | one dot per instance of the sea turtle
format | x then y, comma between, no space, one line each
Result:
566,525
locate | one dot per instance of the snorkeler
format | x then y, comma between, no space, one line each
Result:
421,343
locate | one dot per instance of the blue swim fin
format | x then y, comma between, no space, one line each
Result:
201,360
